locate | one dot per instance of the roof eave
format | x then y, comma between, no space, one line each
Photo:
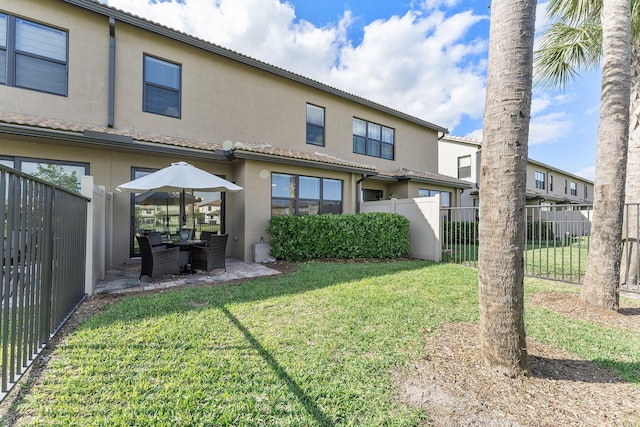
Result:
271,158
154,147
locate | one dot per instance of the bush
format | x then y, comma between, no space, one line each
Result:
461,232
365,235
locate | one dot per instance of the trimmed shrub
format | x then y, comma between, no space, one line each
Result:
365,235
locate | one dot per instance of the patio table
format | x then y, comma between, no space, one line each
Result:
185,251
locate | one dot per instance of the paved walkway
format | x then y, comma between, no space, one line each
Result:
124,278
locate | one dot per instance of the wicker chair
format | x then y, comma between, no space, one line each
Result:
205,236
155,239
210,256
157,262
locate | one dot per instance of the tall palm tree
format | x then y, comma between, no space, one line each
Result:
503,183
603,265
573,43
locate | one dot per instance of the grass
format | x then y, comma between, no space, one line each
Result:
558,260
316,347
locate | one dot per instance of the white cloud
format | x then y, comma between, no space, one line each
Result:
589,173
419,63
550,127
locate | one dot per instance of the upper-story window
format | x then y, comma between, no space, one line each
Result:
565,186
372,139
33,55
540,180
574,188
550,182
162,87
586,193
464,167
315,125
304,195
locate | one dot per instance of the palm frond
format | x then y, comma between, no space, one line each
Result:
564,51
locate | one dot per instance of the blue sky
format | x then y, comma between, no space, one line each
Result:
426,58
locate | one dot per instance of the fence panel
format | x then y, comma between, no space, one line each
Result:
557,239
43,267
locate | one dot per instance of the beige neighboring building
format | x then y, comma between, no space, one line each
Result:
546,185
87,89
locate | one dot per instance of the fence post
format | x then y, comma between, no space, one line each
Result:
86,189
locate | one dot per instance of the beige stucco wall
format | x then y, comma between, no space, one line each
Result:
225,100
254,211
111,168
559,184
88,64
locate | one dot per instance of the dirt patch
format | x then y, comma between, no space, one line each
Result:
456,389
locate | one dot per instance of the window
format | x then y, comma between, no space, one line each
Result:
586,193
464,167
161,94
565,186
445,196
304,195
371,195
63,173
550,182
372,139
540,180
32,55
574,188
315,125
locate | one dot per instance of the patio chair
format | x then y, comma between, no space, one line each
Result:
155,238
156,263
204,236
210,256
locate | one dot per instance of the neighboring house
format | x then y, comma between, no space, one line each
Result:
91,89
546,185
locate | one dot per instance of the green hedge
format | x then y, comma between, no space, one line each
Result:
460,232
365,235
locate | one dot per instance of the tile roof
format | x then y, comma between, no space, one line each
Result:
404,173
299,155
80,128
267,149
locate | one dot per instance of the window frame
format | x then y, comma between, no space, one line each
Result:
540,179
427,192
299,204
462,169
573,187
373,147
315,126
13,56
146,85
19,160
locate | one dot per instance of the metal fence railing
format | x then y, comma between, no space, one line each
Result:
43,267
557,239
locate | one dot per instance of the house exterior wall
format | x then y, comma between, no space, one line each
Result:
88,64
451,148
222,100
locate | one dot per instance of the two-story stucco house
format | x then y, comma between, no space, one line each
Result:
87,89
460,157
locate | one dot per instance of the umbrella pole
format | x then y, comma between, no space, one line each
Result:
183,212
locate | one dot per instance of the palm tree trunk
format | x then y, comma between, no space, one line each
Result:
502,185
603,266
629,262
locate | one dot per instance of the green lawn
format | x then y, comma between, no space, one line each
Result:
316,347
550,259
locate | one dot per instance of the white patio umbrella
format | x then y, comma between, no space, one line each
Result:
179,177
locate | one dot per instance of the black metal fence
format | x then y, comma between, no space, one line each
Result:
557,240
43,267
